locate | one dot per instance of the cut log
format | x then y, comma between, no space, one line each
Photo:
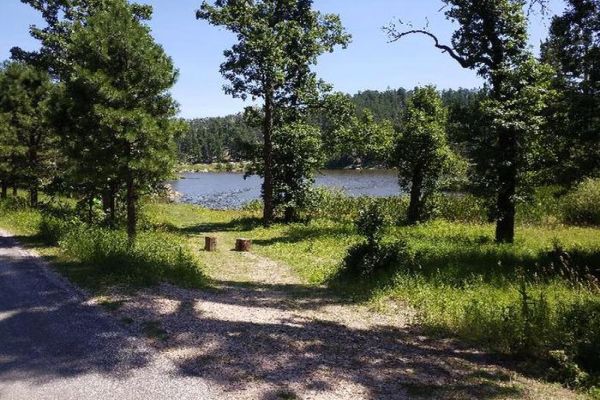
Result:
243,245
210,243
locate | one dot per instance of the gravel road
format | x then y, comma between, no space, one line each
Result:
53,345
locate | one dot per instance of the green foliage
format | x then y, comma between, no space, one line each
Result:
582,205
526,94
297,156
117,114
154,258
26,137
387,105
372,256
371,223
368,141
351,137
278,42
573,48
52,229
217,139
422,153
365,260
345,144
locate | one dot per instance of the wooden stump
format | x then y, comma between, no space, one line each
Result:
210,243
243,245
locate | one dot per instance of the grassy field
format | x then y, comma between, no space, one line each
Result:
535,298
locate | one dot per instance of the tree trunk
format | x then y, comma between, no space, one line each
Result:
267,189
131,207
507,176
33,196
210,243
4,193
415,208
243,245
108,204
15,191
291,215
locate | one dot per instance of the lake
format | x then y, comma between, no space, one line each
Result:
229,190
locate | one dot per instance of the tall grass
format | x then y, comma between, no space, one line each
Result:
544,207
151,259
582,205
99,257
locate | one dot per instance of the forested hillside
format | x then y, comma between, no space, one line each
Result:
220,139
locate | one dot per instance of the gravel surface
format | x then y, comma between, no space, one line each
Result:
261,334
54,345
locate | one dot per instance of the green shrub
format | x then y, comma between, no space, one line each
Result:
372,256
14,204
154,258
582,206
52,229
371,223
364,259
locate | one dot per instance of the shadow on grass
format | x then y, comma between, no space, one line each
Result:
235,225
297,233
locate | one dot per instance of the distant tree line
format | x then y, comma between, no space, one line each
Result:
221,139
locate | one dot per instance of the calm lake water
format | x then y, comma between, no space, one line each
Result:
226,190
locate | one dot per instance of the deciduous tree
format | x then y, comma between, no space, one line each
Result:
491,39
422,152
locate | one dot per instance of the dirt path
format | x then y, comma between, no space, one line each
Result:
260,333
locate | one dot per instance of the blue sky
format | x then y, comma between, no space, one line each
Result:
368,63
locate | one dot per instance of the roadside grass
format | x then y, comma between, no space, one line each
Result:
100,259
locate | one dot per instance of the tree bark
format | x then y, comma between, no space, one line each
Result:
415,208
210,243
507,176
15,191
108,204
4,193
243,245
131,207
33,196
268,211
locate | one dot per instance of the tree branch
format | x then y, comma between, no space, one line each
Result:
394,36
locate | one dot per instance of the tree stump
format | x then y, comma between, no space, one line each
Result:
210,243
243,245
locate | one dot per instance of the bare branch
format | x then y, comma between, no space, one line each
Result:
395,35
543,6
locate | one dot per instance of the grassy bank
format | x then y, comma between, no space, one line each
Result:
100,259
